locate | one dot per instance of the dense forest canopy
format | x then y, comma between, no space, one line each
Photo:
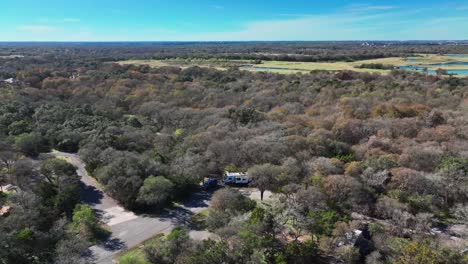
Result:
387,154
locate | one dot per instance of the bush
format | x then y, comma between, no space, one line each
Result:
416,253
421,158
86,224
155,191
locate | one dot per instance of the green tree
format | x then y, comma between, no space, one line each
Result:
85,223
156,191
31,144
60,185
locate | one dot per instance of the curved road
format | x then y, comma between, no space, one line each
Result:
128,229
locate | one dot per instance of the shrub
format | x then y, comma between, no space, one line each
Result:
416,253
421,158
353,169
86,224
155,191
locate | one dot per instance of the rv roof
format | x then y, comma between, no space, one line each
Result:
234,174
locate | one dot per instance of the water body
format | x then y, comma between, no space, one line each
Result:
457,55
420,68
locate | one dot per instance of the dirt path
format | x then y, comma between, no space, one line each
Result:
129,229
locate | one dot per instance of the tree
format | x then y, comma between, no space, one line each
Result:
85,223
70,251
31,144
225,205
231,200
421,158
344,191
155,191
8,158
264,177
60,184
167,249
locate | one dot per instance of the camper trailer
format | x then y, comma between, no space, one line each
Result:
236,178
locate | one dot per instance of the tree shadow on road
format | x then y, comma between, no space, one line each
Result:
181,214
112,244
90,194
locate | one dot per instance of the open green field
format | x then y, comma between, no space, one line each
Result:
288,67
220,64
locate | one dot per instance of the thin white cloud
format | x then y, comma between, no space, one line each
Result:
37,28
364,23
367,8
370,25
71,20
462,8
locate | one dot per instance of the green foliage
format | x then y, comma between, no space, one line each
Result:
25,235
155,191
317,181
324,222
176,234
86,224
133,122
244,116
375,228
132,259
421,203
379,66
346,158
31,144
454,164
210,251
301,252
60,185
336,149
417,253
380,163
167,249
397,195
257,216
253,241
231,168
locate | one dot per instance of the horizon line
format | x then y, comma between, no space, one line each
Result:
224,41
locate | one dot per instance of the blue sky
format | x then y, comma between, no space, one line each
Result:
240,20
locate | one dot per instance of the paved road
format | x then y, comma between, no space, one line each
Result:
129,229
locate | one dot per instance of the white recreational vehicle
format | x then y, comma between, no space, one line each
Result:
236,178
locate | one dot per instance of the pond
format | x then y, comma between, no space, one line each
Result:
420,68
457,55
443,64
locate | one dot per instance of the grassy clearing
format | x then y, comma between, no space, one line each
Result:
198,220
311,66
67,159
284,67
220,64
135,255
288,67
